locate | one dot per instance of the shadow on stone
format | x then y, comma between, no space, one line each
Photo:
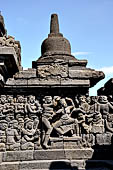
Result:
61,165
102,158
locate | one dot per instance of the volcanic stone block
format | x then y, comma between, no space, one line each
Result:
17,156
97,129
53,154
79,154
104,139
30,73
52,70
75,82
10,166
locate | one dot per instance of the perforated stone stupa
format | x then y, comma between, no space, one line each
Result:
47,118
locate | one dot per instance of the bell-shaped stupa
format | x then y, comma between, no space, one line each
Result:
55,46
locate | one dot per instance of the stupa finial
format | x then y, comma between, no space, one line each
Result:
54,24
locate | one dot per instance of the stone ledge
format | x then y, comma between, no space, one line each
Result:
10,51
54,154
44,165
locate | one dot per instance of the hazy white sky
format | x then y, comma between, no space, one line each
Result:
87,24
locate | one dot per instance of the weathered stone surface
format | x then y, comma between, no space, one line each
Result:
10,166
53,154
44,82
78,164
80,73
103,139
98,129
52,70
79,154
17,156
26,74
75,82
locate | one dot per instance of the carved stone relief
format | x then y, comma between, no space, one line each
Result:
28,123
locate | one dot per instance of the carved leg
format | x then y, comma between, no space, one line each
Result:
57,125
48,132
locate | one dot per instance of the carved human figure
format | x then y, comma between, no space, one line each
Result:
3,101
47,115
9,108
20,123
3,127
105,108
13,136
33,109
94,116
81,111
20,107
65,118
28,135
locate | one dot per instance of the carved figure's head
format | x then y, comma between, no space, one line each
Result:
82,99
3,125
10,99
20,99
102,99
88,99
21,123
10,124
15,124
29,124
31,99
63,102
48,99
3,99
93,99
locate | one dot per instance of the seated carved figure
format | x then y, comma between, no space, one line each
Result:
3,127
20,107
13,136
28,135
61,126
33,110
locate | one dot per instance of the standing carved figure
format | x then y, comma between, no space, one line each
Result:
46,117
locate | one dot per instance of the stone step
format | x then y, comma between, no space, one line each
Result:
44,165
58,165
54,154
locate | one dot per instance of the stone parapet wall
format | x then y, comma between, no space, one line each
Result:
43,122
